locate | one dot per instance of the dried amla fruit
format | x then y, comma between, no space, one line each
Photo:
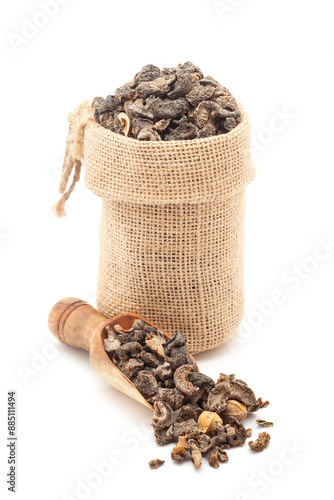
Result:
207,420
260,443
165,373
155,464
264,423
181,380
234,409
172,104
213,458
162,416
222,456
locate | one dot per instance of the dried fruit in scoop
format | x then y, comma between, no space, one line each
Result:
164,372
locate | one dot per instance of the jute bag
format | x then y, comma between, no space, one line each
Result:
172,226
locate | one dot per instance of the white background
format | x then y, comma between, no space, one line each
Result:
276,57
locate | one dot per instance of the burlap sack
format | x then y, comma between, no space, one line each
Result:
172,227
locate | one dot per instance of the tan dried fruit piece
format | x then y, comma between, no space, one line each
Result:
196,455
264,423
119,329
155,464
126,123
181,380
180,451
222,456
260,443
213,458
206,421
234,409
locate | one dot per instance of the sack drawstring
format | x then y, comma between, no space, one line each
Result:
74,153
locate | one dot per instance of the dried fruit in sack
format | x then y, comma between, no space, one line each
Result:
147,74
195,453
234,409
148,134
157,87
146,107
183,131
206,421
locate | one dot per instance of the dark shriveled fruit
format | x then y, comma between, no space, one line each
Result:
155,464
209,413
261,442
151,102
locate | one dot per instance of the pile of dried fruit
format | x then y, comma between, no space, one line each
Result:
165,373
170,104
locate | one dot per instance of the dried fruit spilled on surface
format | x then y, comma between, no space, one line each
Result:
264,423
169,104
209,413
261,442
155,464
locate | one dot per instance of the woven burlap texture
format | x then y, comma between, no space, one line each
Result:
172,228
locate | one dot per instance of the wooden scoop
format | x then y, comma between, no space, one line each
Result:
78,324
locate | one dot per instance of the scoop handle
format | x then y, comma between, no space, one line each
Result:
75,322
